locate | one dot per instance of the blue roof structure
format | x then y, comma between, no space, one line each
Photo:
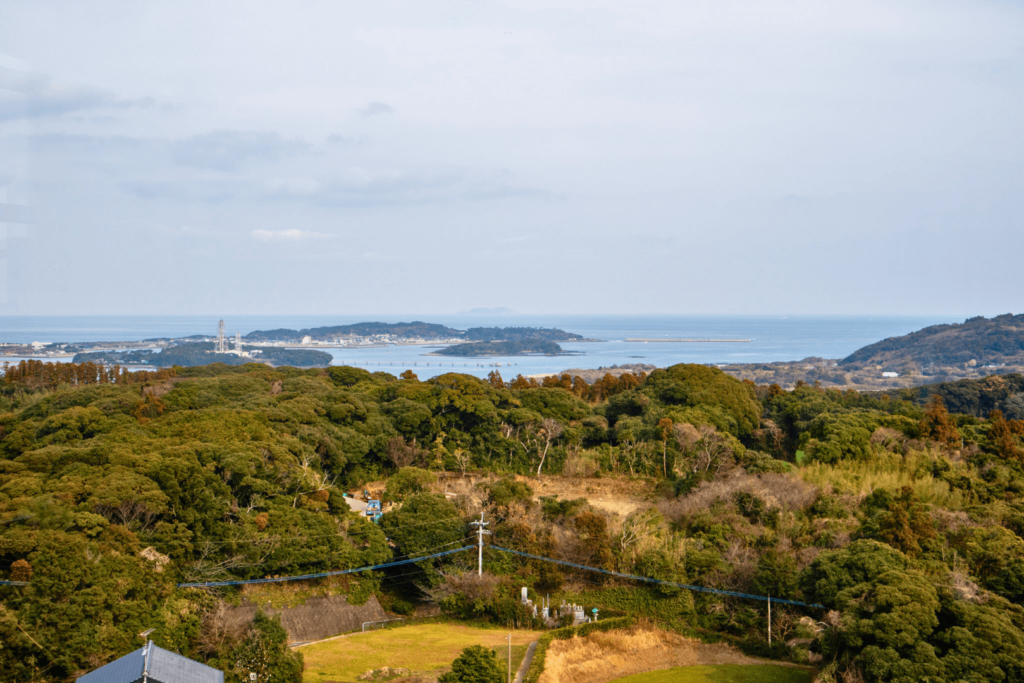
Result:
152,664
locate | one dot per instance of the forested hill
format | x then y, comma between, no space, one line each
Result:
985,341
904,521
413,329
519,333
519,347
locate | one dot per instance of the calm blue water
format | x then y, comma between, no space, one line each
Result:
774,338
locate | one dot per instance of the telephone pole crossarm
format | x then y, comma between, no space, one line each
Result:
480,531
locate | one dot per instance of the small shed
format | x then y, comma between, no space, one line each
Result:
152,664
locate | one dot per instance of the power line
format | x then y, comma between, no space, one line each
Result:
410,560
321,575
279,538
634,577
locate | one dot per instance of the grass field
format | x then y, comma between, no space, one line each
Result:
724,673
421,648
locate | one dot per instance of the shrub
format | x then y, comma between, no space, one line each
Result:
476,664
554,509
507,490
408,481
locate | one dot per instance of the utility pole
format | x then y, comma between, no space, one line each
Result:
480,531
769,621
510,658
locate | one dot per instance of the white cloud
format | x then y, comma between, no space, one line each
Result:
376,109
293,187
44,98
227,150
291,235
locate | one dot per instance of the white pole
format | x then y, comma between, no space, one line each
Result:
769,620
480,543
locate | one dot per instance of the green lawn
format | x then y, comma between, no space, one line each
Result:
723,673
421,648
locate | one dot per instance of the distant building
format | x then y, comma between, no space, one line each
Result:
152,664
307,339
890,374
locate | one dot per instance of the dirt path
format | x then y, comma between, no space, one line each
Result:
620,496
617,495
525,666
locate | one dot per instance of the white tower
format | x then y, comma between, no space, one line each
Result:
221,346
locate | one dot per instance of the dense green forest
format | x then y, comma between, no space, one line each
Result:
983,341
519,333
979,398
201,353
904,520
520,347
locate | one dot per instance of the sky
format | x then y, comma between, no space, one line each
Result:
676,157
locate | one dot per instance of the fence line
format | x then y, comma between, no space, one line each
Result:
382,621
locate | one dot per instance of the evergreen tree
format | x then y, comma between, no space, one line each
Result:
476,664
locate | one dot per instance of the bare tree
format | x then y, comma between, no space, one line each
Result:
462,459
770,435
132,513
310,480
550,429
207,567
468,584
404,453
638,527
707,449
686,435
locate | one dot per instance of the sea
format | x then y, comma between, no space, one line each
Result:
771,338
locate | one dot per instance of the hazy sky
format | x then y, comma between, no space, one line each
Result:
549,156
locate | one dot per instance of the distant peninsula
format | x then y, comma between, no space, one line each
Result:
977,341
415,329
191,354
277,346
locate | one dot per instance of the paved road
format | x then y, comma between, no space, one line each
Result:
525,666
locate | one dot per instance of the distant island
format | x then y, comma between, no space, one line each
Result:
518,347
519,333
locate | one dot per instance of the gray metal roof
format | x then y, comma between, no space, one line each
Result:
163,667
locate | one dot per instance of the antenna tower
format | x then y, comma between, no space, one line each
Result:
222,344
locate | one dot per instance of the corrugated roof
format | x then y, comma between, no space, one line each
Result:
164,667
123,670
167,667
